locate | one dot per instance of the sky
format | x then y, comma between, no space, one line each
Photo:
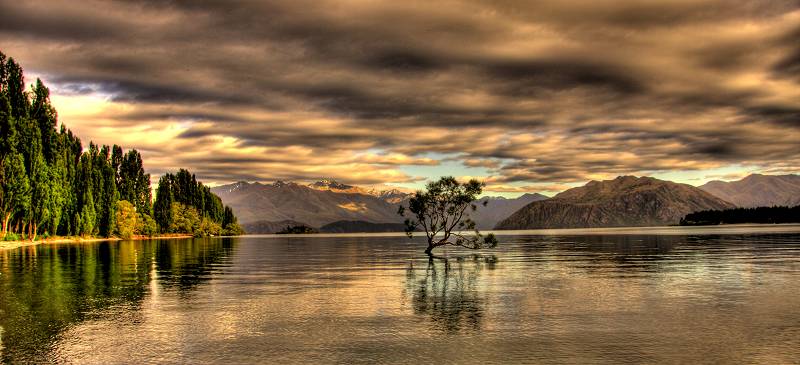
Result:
528,96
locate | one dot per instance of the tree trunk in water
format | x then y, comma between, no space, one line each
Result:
428,251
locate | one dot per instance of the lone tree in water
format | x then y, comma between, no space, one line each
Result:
443,212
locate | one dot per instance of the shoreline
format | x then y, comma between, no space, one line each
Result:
738,228
10,245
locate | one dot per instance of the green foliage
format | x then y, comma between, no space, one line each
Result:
132,182
185,219
147,225
208,228
162,208
301,229
50,185
761,215
15,194
442,211
126,220
183,189
233,229
87,217
41,196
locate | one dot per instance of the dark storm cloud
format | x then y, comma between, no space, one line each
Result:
788,116
404,61
790,64
57,22
546,91
525,78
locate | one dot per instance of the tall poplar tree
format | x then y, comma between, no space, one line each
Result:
49,184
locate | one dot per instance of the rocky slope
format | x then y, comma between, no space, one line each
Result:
758,190
624,201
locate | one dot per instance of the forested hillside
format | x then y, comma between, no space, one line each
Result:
51,186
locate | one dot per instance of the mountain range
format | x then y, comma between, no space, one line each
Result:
624,201
336,207
313,206
758,190
331,206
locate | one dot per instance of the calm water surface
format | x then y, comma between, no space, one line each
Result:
666,295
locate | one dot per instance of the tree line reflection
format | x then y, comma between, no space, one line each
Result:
45,289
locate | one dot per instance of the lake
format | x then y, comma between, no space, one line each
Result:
654,295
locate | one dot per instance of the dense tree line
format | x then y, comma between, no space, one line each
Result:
769,215
183,204
301,229
51,186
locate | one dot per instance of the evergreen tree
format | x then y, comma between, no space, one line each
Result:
48,184
8,131
87,218
40,196
14,84
15,198
70,151
183,189
162,208
133,183
44,116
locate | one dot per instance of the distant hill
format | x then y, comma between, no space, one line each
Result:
758,190
624,201
361,226
499,208
268,227
316,207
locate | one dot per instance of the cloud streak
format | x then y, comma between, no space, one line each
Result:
545,93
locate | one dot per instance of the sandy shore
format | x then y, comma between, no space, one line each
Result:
8,245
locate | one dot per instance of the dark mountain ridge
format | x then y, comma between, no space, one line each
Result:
624,201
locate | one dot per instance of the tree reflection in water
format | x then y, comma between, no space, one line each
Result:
450,291
46,289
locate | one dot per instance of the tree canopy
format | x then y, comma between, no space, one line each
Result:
762,215
51,185
443,212
185,205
